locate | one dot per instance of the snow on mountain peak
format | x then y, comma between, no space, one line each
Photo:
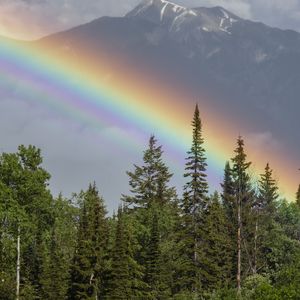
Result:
177,17
160,11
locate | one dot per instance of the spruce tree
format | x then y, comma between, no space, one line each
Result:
152,195
229,204
126,275
196,188
268,192
244,199
228,191
265,208
90,259
54,275
149,183
153,259
81,268
194,205
216,247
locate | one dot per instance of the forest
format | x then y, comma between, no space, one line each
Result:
240,243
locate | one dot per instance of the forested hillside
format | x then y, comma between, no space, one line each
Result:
241,243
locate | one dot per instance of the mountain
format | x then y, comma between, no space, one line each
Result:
181,20
247,69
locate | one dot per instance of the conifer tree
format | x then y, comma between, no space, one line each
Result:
88,269
230,207
268,192
81,268
153,259
126,278
149,183
54,275
244,199
196,188
265,212
228,191
216,247
193,205
58,243
298,196
152,195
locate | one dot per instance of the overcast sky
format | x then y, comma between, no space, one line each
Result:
30,19
74,154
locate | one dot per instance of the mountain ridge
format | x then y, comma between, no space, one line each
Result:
161,11
248,69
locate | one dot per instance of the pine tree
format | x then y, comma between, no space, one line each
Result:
126,278
193,205
89,266
244,199
298,196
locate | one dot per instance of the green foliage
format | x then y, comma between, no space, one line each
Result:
288,216
254,285
214,253
266,228
54,277
245,204
28,291
196,188
152,259
126,278
298,196
222,294
89,264
155,248
268,193
7,285
228,192
149,183
26,203
230,206
193,205
153,200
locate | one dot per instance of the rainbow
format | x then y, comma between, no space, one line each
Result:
114,94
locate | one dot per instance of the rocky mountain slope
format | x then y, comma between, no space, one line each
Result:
247,68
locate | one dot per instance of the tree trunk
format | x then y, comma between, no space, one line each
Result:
18,265
255,248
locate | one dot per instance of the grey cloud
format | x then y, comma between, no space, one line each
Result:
277,13
48,16
84,155
75,155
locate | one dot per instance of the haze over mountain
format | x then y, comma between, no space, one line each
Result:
247,70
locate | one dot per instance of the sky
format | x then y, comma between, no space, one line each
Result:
75,154
31,19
